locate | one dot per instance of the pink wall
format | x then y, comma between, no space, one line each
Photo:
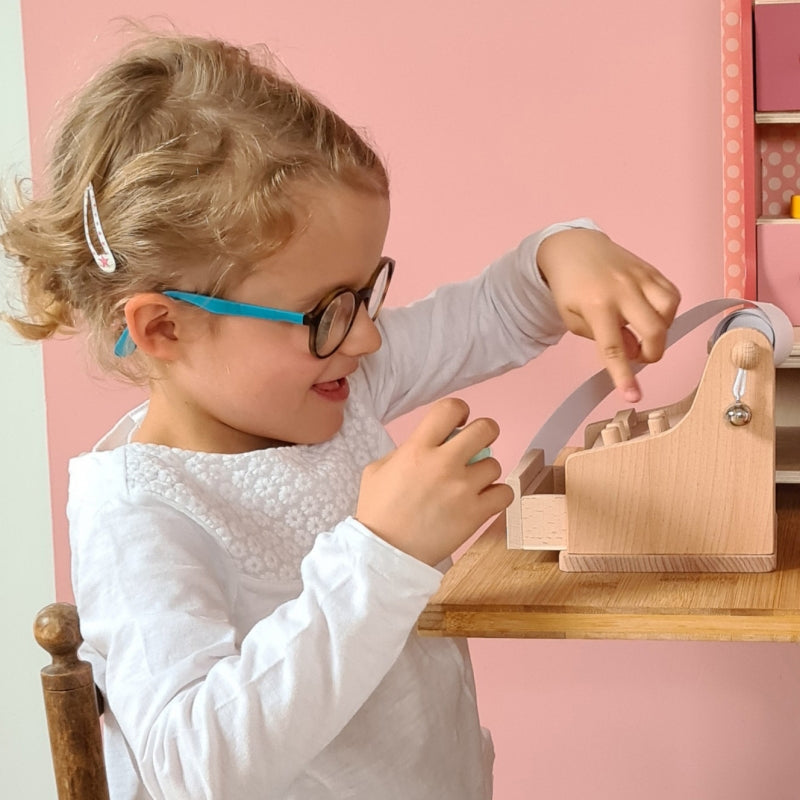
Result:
497,118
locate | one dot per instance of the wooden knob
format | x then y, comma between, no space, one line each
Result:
57,630
611,434
745,355
657,422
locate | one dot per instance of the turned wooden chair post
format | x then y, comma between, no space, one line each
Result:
70,700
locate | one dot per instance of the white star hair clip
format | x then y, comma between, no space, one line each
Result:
105,258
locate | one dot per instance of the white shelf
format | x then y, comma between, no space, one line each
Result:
777,117
787,417
777,221
787,461
793,361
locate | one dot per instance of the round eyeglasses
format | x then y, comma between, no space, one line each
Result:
329,322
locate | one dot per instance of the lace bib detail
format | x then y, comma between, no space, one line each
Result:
266,507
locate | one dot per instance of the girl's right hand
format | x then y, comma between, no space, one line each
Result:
424,498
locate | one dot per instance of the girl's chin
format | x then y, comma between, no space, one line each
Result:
322,426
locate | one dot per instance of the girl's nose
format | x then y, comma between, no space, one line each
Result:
363,337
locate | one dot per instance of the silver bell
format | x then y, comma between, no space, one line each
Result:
738,414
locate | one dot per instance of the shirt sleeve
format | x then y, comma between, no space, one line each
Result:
207,710
464,333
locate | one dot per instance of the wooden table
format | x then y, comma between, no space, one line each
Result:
495,592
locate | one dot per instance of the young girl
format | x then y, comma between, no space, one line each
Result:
250,550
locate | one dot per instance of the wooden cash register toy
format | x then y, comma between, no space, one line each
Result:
688,487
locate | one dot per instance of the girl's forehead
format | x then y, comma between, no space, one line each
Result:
339,241
341,214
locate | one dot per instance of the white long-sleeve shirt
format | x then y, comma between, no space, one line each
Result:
251,638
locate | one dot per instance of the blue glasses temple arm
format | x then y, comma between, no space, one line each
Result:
124,345
216,305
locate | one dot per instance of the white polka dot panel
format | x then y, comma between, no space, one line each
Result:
738,238
780,176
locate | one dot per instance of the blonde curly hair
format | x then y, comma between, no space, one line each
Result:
194,148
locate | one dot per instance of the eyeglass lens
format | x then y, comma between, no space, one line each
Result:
378,292
335,323
338,316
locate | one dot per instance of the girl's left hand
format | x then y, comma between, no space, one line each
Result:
608,294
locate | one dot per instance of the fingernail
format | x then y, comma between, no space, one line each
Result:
632,395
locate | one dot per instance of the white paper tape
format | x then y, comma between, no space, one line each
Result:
765,317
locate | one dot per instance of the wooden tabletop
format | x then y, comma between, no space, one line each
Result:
495,592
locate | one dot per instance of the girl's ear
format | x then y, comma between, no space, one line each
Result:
152,324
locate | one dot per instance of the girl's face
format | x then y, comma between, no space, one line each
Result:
245,384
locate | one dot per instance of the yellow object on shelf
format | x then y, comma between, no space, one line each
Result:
794,207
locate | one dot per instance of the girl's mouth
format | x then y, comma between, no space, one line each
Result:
336,391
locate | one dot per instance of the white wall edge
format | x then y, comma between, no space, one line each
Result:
26,549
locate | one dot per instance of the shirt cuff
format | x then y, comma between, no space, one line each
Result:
390,560
535,240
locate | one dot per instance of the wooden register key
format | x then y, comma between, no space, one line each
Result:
657,422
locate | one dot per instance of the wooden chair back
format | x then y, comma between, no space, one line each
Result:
71,706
